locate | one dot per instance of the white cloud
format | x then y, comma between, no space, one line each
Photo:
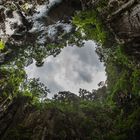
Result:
72,69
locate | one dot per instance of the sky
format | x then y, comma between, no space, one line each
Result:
72,69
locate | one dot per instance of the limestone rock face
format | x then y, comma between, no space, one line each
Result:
121,16
125,22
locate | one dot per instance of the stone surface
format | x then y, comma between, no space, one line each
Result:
126,25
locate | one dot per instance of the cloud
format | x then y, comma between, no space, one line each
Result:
72,69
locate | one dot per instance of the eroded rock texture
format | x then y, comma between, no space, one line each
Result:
125,22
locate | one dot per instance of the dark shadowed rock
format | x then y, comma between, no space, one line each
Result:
125,22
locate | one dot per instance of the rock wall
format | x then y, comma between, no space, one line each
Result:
125,22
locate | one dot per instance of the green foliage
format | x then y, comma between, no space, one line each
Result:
53,46
2,45
127,128
135,81
11,80
123,74
120,58
122,82
37,88
89,23
14,84
90,118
